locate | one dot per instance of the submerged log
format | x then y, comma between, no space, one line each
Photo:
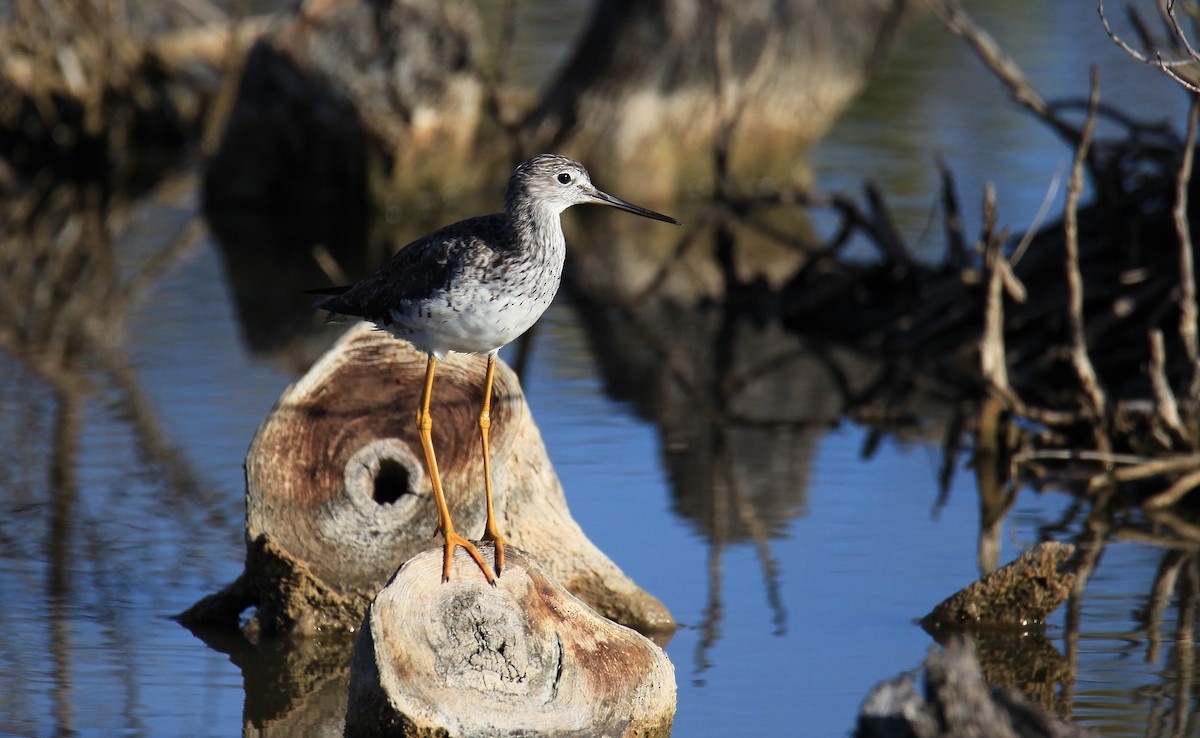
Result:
468,659
337,495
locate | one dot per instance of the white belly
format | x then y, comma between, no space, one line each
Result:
473,326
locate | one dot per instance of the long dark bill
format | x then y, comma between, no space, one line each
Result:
603,198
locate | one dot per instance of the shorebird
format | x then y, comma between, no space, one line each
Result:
473,287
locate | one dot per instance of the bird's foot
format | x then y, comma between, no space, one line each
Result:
499,542
453,539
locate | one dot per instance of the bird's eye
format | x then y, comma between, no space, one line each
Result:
564,178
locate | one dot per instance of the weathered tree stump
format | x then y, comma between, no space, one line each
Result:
650,85
524,657
337,494
347,90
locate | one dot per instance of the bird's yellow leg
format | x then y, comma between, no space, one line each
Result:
491,532
445,526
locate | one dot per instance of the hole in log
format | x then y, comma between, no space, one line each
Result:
392,481
383,480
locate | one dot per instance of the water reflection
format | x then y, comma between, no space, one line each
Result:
292,686
70,286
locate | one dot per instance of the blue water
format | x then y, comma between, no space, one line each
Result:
155,520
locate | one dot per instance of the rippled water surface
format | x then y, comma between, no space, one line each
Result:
782,633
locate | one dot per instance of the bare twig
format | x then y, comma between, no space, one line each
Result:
1168,66
1038,218
956,243
888,239
991,346
1079,353
1164,399
1188,531
1180,36
1187,277
1147,469
1099,457
1175,492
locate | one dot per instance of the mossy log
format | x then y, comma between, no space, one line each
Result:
521,658
337,495
1019,594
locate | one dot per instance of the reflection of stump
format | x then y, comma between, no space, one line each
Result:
487,661
337,495
955,702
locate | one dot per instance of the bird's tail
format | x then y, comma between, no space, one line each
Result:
333,303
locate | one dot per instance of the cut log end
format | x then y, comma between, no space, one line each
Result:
472,659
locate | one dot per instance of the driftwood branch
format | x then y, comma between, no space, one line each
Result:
1187,272
337,494
1166,408
1079,353
1175,492
991,349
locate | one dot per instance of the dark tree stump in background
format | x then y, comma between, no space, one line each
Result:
337,495
348,90
523,657
652,88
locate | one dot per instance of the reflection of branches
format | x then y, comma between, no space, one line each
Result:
64,305
64,495
1178,573
727,491
1160,596
751,519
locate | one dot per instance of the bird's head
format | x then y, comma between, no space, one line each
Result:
555,182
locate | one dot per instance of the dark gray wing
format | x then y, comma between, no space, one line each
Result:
420,269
